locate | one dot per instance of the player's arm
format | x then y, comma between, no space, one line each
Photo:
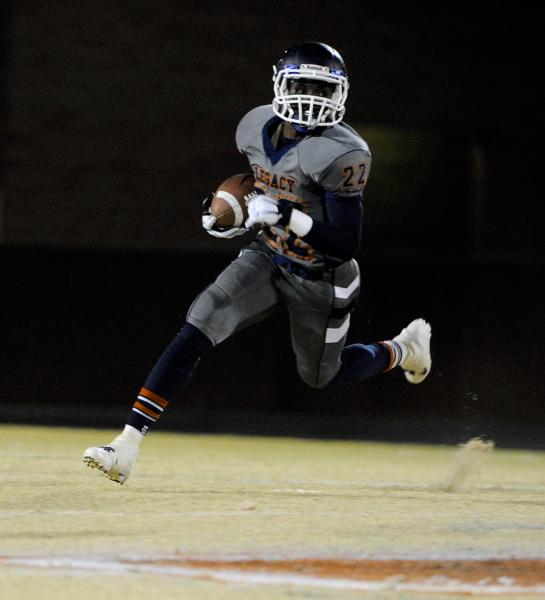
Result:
340,236
209,221
339,233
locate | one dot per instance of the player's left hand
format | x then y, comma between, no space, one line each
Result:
262,210
210,226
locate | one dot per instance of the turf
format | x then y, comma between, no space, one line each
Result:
226,498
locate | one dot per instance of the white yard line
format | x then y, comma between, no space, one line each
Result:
432,585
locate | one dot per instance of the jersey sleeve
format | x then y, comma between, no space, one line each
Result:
249,129
340,237
347,174
241,134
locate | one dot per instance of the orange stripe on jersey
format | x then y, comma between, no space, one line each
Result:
292,254
270,240
311,252
146,410
154,397
299,243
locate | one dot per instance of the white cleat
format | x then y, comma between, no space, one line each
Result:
117,459
415,343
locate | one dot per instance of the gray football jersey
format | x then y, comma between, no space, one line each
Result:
334,159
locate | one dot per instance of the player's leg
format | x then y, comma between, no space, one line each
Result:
409,350
170,375
320,318
319,335
242,294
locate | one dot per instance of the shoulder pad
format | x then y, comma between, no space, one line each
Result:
251,125
320,151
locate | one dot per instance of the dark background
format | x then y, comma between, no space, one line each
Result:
116,120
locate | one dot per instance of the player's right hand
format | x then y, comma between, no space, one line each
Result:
210,226
262,210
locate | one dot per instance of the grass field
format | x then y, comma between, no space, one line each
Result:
242,517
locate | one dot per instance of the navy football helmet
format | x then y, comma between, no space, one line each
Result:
310,86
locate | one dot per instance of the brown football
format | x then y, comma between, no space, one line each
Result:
228,205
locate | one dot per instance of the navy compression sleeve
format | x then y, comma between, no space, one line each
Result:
340,236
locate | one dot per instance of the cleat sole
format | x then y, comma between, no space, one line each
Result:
94,464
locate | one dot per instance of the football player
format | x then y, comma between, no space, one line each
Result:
310,170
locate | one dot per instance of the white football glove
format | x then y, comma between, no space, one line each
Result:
263,210
209,223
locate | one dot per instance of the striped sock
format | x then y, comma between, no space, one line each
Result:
396,352
147,410
169,376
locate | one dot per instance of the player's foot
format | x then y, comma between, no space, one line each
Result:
117,459
415,343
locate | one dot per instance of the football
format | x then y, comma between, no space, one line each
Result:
228,205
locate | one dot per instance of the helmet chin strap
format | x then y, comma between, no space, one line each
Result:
300,128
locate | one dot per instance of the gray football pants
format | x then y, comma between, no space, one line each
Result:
253,286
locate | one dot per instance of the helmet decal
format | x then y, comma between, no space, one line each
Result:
315,67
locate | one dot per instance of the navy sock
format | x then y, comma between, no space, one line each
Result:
360,362
169,376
